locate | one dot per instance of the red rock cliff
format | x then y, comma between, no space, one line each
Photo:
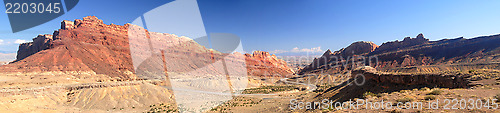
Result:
263,64
90,45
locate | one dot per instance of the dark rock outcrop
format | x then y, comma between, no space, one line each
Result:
428,79
41,42
367,79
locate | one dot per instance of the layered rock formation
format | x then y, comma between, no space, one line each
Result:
262,63
411,52
428,79
89,45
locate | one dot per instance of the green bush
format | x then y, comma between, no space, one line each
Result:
366,94
472,71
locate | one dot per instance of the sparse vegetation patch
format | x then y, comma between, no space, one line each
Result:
270,89
162,108
368,94
237,102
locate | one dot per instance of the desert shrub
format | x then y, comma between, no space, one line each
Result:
430,97
435,92
380,95
366,94
396,111
404,100
472,71
163,108
424,89
270,89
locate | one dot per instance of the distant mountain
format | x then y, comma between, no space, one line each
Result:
7,51
298,54
410,52
7,57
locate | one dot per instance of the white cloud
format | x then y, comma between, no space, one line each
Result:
19,41
278,51
299,50
1,41
312,50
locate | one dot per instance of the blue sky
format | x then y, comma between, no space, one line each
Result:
282,25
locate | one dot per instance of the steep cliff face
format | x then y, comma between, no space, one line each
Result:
41,42
89,45
410,52
263,64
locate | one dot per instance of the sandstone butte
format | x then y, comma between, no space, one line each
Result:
88,45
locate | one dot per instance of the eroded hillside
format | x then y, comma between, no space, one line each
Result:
410,53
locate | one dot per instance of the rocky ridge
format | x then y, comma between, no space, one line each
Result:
411,53
265,64
344,55
90,45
